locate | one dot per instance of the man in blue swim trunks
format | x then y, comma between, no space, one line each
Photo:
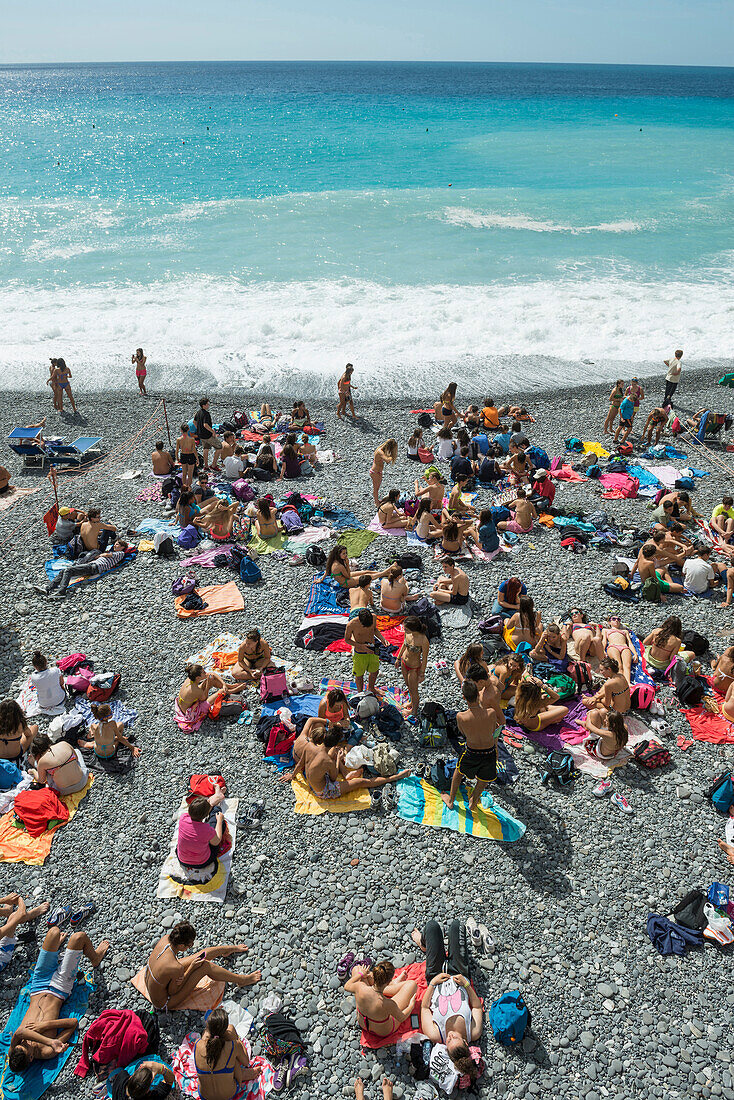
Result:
42,1034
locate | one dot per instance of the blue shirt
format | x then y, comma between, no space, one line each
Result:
503,439
626,409
488,537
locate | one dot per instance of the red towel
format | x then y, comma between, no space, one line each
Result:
705,726
416,972
37,809
116,1036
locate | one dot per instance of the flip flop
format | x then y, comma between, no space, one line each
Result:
344,966
85,910
58,917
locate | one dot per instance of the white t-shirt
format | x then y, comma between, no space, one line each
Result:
48,687
674,369
233,466
446,448
696,575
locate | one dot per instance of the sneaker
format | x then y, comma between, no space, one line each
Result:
42,589
298,1067
473,933
621,802
376,798
602,788
487,940
280,1075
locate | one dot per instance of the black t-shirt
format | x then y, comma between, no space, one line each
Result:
119,1088
461,467
203,422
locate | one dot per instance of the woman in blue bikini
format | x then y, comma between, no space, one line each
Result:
222,1064
60,380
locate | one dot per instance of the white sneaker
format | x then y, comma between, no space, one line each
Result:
602,788
621,802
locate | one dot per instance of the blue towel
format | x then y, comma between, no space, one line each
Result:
644,476
297,704
40,1075
670,938
120,712
282,763
153,525
322,597
340,518
57,565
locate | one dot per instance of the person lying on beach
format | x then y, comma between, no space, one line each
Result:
170,979
608,733
614,694
16,733
453,586
13,913
107,734
42,1034
186,455
254,655
162,460
587,639
383,1001
388,513
138,1085
5,475
423,523
222,1063
524,515
91,564
363,636
324,768
618,645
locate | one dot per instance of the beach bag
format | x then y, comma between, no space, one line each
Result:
101,695
650,590
559,767
563,684
409,560
184,584
79,680
243,490
163,546
389,721
441,775
273,684
383,761
494,624
280,740
432,726
690,691
718,895
697,642
651,754
580,673
509,1018
689,910
538,457
189,537
641,696
10,775
721,792
315,556
250,571
625,449
291,521
365,707
424,420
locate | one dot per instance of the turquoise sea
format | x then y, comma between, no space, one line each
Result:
260,224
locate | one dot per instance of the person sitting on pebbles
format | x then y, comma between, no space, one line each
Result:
195,694
223,1066
453,587
323,765
253,655
171,979
383,1001
614,694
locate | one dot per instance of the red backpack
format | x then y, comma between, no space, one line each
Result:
101,695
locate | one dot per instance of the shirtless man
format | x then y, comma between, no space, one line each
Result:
307,450
326,772
362,635
42,1034
655,422
453,586
478,761
186,455
162,460
648,569
228,446
667,551
456,509
682,509
361,595
95,534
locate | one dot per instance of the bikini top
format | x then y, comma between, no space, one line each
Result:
226,1068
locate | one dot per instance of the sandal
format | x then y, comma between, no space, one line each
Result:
81,914
58,917
344,967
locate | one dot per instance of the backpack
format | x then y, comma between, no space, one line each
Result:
625,449
441,775
243,490
163,545
280,740
291,521
432,726
689,910
621,589
560,767
641,696
562,683
273,684
580,673
250,571
315,556
409,561
721,792
365,706
574,444
509,1018
80,679
651,754
425,420
493,625
183,585
690,691
101,695
684,483
650,590
697,642
389,722
189,537
538,457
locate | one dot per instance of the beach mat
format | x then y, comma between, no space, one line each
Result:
40,1076
396,696
208,884
17,846
219,598
308,803
414,972
207,994
56,566
419,801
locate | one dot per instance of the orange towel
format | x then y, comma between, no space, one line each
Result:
546,519
18,846
417,973
207,994
219,598
221,661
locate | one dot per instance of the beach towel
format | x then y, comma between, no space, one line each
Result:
192,719
120,711
152,492
206,995
591,448
210,882
308,803
566,473
296,704
219,600
357,541
391,628
184,1070
57,565
39,1076
27,700
456,617
397,696
665,475
16,846
707,726
152,525
618,486
322,599
340,518
648,477
419,801
640,674
7,500
206,557
263,547
377,527
414,972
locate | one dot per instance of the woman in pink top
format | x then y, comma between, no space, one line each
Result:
199,842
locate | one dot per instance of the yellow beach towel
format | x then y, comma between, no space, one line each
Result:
308,803
591,448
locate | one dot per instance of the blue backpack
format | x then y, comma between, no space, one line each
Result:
721,792
509,1018
538,457
250,571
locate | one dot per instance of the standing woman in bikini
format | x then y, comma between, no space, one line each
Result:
61,377
413,658
615,400
662,644
170,979
222,1063
15,732
388,452
139,360
51,381
445,409
383,1002
618,645
344,386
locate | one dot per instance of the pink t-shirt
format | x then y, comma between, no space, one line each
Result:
194,838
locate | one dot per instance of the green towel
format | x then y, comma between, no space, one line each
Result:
727,380
356,541
261,547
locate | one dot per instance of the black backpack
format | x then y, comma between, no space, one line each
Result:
410,561
425,420
695,641
315,556
690,691
560,768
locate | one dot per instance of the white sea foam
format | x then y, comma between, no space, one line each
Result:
297,336
474,219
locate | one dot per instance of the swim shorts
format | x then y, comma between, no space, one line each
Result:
458,600
331,788
188,460
479,764
51,977
664,585
365,662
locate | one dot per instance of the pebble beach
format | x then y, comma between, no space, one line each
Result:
566,904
